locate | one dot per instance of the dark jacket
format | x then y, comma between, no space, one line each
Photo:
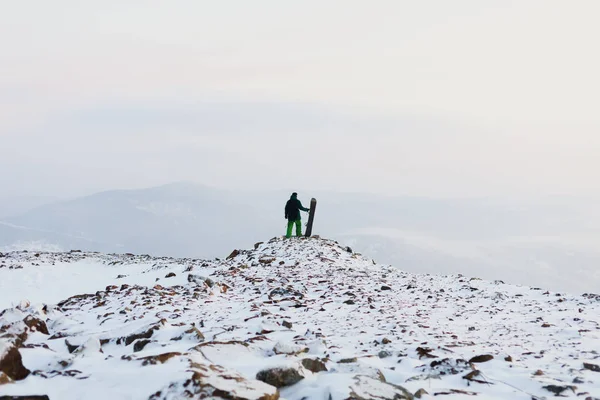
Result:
293,207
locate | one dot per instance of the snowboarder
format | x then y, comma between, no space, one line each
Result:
292,214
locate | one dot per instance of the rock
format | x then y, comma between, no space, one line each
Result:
140,344
289,349
233,254
508,359
348,249
539,372
385,287
314,365
425,352
143,335
384,354
11,363
89,348
287,324
348,360
471,377
280,377
482,358
170,275
420,393
121,276
365,388
4,379
70,347
215,382
349,302
257,245
24,398
557,390
158,359
578,380
36,325
591,367
386,341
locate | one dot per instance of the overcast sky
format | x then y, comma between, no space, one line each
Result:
436,98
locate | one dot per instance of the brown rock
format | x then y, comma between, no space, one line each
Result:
36,325
11,363
287,324
279,377
366,388
233,254
158,359
482,358
215,382
314,365
170,275
420,393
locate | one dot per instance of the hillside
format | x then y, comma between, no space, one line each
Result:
295,319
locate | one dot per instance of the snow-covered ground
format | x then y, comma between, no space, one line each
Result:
291,319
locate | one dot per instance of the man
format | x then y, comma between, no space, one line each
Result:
292,214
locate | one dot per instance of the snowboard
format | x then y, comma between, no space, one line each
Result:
311,217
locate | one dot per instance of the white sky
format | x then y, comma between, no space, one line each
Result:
428,97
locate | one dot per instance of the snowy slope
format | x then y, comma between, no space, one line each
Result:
305,315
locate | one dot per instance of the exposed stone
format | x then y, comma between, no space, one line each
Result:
591,367
24,398
140,344
36,325
11,363
348,360
158,359
366,388
170,275
215,382
314,365
287,324
279,377
482,358
384,354
257,245
420,393
233,254
385,287
557,390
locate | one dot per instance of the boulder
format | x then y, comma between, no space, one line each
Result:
36,324
365,388
280,377
11,363
314,365
215,382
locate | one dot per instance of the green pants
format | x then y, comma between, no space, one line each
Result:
291,225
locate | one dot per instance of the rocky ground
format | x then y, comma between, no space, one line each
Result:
290,319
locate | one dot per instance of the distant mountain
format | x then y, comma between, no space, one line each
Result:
554,242
15,205
181,219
